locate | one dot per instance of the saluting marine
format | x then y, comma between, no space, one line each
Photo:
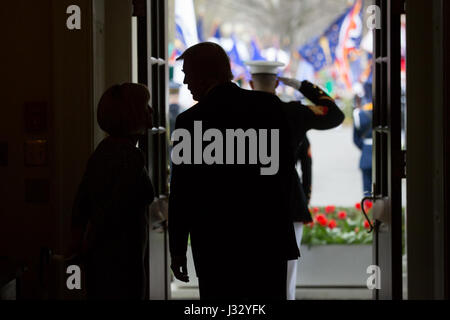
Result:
323,114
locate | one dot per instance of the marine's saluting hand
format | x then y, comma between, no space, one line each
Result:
294,83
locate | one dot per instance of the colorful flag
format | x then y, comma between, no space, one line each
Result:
366,75
335,44
305,71
320,51
356,63
201,38
216,33
237,65
349,40
185,36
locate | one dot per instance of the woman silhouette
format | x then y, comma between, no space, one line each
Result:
109,219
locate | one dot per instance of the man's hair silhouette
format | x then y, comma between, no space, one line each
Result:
206,65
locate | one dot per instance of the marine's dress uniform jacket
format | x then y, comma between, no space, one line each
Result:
241,235
323,115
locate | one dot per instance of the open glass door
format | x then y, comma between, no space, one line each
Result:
152,68
388,157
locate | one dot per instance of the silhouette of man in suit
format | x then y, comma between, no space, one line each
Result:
237,219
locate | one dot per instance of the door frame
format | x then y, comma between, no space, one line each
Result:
446,121
387,154
152,30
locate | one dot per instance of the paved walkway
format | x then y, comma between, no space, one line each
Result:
336,179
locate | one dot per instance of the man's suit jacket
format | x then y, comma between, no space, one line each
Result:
237,219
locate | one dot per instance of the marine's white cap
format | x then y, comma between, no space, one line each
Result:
268,67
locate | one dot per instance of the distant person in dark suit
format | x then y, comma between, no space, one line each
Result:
237,218
362,137
109,220
324,114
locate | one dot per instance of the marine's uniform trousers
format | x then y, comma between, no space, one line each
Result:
292,264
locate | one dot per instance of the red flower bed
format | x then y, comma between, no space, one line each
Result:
368,205
332,224
321,219
330,209
337,225
342,215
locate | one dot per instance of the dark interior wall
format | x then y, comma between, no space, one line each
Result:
26,77
45,63
73,101
425,154
446,123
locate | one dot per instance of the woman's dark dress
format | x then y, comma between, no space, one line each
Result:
111,203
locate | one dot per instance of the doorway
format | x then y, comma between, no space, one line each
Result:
389,131
149,43
202,23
